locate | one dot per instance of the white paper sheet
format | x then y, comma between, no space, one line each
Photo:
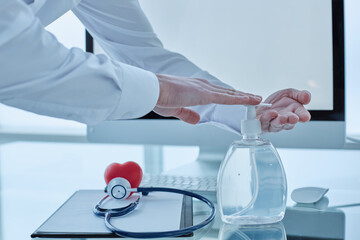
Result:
156,212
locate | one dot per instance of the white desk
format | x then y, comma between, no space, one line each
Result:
36,178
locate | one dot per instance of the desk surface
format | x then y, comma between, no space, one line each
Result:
299,223
37,178
313,222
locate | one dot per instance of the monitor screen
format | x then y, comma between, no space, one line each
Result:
262,46
255,46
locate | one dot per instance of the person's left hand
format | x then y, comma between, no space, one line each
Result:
287,109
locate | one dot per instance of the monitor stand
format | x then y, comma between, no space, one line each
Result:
206,165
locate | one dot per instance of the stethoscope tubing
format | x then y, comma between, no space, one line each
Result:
117,212
109,213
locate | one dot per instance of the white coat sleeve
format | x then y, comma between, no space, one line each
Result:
40,75
123,31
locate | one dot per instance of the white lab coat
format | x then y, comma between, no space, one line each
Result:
40,75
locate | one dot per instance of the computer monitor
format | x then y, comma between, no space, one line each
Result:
256,46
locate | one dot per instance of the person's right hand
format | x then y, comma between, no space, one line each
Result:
177,93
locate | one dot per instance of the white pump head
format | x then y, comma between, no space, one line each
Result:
251,125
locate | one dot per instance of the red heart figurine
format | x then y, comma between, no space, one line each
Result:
131,171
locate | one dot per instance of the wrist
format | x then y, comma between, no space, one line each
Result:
163,89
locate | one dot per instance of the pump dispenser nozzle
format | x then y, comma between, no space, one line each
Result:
251,125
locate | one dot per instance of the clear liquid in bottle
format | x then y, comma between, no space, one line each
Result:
252,186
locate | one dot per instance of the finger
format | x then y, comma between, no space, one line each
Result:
305,97
218,88
292,118
230,91
288,126
303,114
266,118
233,92
275,127
278,123
184,114
223,98
302,97
187,115
286,121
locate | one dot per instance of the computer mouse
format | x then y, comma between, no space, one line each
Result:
308,194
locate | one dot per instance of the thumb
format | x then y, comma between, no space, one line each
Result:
302,97
187,115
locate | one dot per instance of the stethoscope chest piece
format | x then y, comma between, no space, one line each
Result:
118,188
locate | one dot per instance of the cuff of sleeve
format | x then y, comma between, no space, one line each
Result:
230,116
227,117
139,93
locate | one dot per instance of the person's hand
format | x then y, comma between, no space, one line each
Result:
177,93
287,109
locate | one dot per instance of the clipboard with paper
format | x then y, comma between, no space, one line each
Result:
157,212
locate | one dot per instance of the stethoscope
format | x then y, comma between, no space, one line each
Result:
120,188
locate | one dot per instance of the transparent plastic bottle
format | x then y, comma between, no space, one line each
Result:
252,186
274,231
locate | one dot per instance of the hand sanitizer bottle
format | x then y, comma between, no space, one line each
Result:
251,187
